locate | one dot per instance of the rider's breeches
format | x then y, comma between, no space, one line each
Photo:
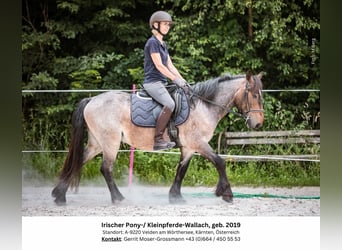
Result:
160,94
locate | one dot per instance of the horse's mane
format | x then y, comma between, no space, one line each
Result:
208,89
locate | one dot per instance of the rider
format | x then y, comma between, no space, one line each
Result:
157,68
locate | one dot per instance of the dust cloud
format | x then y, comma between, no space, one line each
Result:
93,199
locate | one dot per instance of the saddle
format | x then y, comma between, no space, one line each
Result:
145,110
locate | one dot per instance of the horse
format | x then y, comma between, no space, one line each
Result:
106,119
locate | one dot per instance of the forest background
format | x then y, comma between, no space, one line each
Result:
98,44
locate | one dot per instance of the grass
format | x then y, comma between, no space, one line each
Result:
159,169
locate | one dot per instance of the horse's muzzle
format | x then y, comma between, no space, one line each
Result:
253,124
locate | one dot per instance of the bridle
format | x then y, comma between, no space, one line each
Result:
249,110
245,114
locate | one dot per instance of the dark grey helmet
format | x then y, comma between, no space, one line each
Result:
160,16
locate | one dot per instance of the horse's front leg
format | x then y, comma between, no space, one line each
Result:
223,186
175,195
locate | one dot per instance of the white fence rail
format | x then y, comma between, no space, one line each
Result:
235,158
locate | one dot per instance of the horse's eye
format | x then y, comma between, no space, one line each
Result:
255,96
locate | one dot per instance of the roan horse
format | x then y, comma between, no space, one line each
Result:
107,119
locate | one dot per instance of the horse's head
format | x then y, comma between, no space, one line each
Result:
250,101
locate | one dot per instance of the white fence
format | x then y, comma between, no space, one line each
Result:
309,158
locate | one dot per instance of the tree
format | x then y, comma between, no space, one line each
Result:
83,44
273,36
76,44
281,38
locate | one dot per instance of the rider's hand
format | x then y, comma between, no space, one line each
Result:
187,89
179,82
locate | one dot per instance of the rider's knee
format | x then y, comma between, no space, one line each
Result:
170,105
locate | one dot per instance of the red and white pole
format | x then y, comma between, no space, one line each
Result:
131,157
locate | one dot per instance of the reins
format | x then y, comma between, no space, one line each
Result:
244,115
229,111
216,104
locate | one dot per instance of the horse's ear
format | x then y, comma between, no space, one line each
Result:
260,75
249,75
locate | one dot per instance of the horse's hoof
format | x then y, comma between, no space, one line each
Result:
59,195
177,200
118,200
60,201
227,198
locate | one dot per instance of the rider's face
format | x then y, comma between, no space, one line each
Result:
164,27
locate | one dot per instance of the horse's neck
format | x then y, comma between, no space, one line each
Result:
221,103
228,92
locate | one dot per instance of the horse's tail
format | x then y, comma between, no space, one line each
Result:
71,171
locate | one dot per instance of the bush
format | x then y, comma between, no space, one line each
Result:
160,169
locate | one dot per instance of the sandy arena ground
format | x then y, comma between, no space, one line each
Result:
153,201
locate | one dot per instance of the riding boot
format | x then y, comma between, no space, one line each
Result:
162,121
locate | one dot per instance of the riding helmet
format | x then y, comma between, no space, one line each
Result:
160,16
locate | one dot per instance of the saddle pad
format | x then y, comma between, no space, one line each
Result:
145,111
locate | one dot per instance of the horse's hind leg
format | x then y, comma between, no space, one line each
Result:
175,190
107,172
92,149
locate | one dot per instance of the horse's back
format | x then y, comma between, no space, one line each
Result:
108,117
108,101
110,106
